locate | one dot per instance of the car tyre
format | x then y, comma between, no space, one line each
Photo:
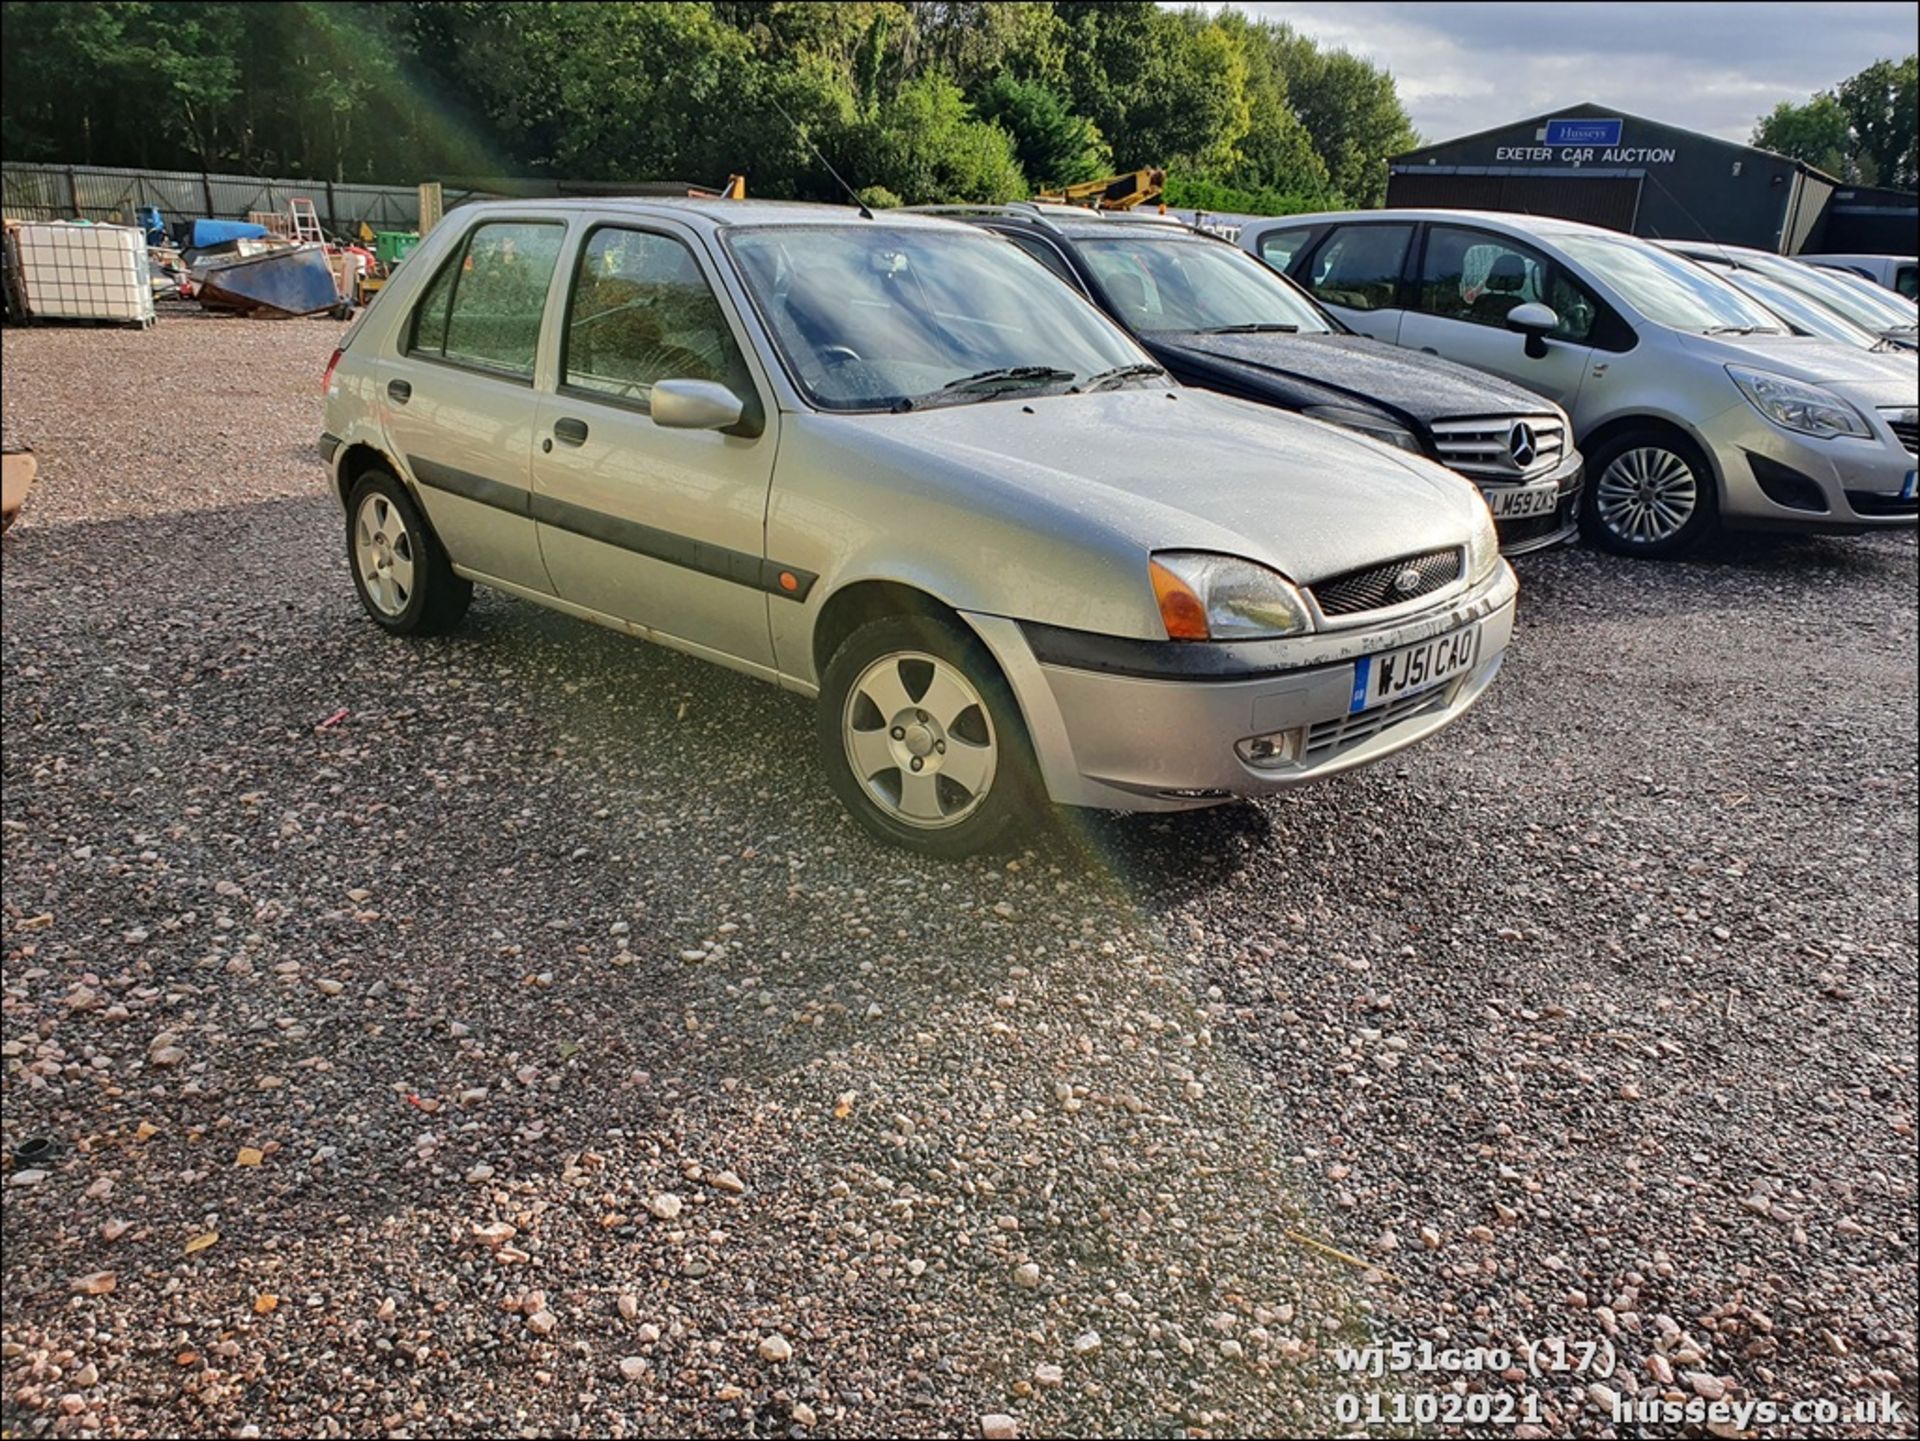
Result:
400,570
1650,493
922,739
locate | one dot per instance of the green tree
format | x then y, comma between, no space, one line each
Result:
1862,130
1053,145
924,145
1277,156
1881,109
1816,132
1164,87
1349,108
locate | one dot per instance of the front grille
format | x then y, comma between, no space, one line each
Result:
1514,533
1904,423
1484,444
1394,583
1329,738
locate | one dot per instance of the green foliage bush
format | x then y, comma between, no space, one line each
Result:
931,102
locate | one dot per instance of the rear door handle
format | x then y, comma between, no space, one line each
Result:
568,431
399,392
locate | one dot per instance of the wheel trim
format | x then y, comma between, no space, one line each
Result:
383,554
919,740
1646,495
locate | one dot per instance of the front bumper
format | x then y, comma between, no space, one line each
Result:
1774,480
1118,739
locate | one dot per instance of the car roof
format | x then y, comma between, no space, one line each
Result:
1075,222
1493,219
1713,249
707,213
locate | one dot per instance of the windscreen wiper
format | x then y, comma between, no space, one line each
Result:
983,385
1255,327
1100,380
1005,375
1742,330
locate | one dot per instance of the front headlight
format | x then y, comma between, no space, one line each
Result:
1377,427
1483,545
1204,596
1795,405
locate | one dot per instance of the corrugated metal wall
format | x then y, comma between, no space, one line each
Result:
89,192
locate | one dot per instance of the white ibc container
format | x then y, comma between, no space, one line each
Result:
82,272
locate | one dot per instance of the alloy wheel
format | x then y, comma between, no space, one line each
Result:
1647,495
919,740
383,554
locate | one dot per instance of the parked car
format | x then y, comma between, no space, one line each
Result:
1694,407
889,463
1801,313
1898,273
1217,318
1865,304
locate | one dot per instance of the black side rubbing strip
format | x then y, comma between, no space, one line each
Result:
787,582
698,555
469,486
328,446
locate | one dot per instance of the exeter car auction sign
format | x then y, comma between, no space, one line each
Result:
1583,142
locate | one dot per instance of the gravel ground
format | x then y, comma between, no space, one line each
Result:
536,1048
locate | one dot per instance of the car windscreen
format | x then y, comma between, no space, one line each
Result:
1857,300
1163,282
1802,312
1667,289
877,317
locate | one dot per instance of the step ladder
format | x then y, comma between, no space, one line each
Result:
306,222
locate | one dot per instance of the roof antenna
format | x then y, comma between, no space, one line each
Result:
852,194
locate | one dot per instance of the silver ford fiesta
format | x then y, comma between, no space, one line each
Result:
891,463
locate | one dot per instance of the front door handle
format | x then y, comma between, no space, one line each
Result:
568,431
399,392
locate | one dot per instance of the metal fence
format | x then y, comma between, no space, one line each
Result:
91,192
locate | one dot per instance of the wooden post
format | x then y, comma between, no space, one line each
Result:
333,221
206,187
432,205
73,194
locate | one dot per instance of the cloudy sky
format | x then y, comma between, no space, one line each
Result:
1711,67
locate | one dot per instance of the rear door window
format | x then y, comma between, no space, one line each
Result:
483,309
1359,266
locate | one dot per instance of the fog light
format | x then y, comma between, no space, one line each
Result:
1277,748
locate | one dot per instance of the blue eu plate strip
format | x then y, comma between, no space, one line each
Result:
1362,673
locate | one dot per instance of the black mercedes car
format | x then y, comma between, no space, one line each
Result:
1216,317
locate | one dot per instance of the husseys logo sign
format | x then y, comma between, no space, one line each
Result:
1580,142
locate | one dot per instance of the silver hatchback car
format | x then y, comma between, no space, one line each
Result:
894,464
1695,406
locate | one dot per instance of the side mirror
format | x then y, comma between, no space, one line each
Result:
694,405
1536,322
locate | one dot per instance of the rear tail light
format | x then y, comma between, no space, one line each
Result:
326,381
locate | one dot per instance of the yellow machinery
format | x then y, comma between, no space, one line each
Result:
1115,192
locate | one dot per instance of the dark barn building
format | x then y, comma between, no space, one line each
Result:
1592,163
